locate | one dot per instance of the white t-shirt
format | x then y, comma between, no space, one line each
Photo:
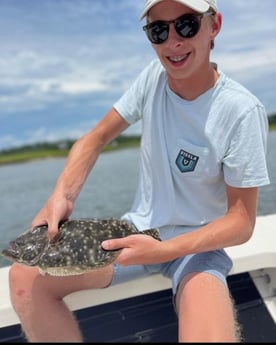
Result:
190,150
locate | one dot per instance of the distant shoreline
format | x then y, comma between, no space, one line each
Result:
44,151
31,153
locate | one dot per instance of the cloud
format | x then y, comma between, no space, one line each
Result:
62,49
63,63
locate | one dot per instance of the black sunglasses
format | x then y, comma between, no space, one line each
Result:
186,26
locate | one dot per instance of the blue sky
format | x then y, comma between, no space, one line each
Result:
63,63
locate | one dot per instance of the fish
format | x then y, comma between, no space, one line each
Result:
76,249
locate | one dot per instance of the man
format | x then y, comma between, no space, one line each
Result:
202,160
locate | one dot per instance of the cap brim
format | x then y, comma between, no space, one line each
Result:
199,6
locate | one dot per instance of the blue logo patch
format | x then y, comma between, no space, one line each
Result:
186,162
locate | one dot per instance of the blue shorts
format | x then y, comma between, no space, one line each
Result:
217,263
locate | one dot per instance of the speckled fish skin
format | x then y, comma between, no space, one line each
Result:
75,250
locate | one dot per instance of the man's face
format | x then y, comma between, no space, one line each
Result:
184,58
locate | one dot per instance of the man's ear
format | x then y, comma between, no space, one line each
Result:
216,24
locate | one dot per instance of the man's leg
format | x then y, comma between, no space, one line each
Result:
205,310
38,301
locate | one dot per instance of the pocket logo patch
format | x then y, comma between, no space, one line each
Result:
186,162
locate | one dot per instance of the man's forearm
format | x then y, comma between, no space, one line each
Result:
80,161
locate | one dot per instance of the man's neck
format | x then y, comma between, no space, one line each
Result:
195,86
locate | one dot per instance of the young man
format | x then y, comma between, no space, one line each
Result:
202,160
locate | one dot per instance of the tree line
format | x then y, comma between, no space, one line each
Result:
66,144
272,119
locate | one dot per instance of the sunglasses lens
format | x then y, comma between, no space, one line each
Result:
187,26
157,32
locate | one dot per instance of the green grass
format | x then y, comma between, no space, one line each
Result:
22,155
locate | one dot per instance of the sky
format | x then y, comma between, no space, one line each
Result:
63,63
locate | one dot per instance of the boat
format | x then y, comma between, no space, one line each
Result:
141,310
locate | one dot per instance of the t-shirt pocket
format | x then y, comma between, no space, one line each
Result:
190,159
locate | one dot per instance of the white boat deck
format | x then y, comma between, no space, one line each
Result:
257,254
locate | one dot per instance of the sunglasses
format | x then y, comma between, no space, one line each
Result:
187,26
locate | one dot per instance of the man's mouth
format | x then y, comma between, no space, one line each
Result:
178,58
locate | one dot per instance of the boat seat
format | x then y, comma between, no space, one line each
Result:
259,252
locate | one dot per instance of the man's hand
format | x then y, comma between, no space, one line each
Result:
136,249
55,210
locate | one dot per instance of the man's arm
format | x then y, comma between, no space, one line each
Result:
234,228
79,163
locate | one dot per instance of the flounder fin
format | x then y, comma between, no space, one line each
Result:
152,232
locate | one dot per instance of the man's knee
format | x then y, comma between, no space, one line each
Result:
21,273
20,281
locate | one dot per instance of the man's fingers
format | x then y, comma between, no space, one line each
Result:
113,244
52,229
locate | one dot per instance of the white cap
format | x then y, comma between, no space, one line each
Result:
199,6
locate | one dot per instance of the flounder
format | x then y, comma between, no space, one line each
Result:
76,248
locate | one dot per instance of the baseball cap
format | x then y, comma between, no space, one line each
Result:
199,6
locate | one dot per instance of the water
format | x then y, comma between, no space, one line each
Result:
267,196
109,189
